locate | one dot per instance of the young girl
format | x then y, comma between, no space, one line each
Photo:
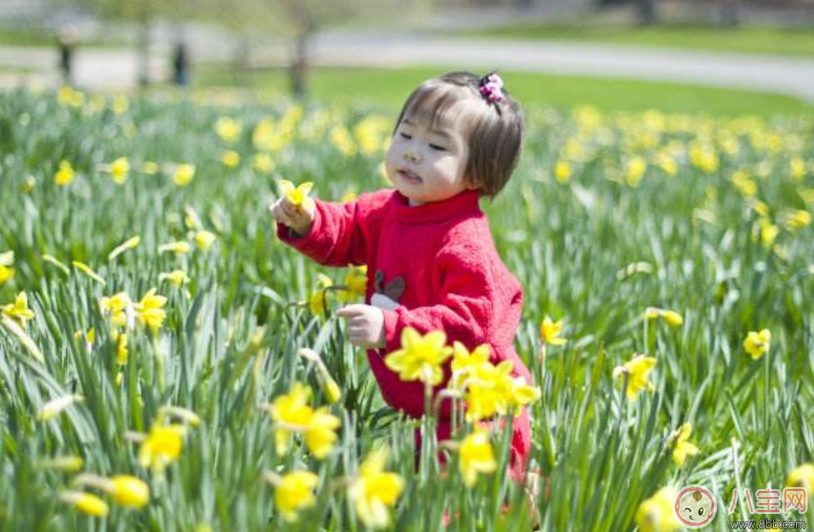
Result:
431,261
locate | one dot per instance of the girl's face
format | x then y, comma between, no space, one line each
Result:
426,163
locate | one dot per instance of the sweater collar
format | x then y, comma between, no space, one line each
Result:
465,203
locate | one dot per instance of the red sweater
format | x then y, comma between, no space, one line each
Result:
439,262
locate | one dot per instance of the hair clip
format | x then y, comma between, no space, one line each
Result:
491,88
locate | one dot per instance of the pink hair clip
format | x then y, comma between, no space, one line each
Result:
491,88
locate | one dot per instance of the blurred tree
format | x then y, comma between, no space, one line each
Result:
141,12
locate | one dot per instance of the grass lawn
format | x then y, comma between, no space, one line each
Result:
747,39
391,88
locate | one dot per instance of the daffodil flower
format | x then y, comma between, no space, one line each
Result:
318,302
119,170
757,343
204,240
298,195
230,158
176,277
476,456
802,477
288,411
228,128
320,432
126,490
86,503
355,284
19,310
637,370
162,446
183,174
119,308
179,247
673,318
656,513
420,357
294,492
550,332
465,363
374,491
682,448
6,260
64,175
150,310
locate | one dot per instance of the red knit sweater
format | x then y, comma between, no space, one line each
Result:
439,262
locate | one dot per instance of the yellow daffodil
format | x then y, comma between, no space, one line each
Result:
262,162
161,447
635,170
680,445
86,503
374,491
465,363
119,308
802,477
183,174
757,343
70,97
329,386
176,277
119,170
122,352
150,310
119,104
796,219
204,240
64,175
341,140
230,158
179,247
656,513
488,391
550,331
673,318
320,432
420,357
520,395
476,456
19,310
290,411
562,172
297,195
129,491
54,407
228,128
355,283
768,232
6,273
149,167
294,492
637,370
130,243
318,302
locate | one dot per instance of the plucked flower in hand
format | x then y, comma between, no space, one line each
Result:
298,195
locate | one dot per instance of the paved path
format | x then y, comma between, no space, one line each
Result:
787,75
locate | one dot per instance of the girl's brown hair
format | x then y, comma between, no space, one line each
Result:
493,131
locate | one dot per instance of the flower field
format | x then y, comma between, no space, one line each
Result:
166,364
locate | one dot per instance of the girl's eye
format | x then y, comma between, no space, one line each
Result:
406,136
436,147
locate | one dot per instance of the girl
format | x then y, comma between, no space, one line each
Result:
431,261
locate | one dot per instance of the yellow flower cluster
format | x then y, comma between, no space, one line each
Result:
291,413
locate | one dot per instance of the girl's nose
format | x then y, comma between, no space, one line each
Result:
413,157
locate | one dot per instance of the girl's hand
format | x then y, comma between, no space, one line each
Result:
298,218
365,325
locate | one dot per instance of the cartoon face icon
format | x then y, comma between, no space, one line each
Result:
695,506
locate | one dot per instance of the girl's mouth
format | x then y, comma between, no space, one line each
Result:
408,176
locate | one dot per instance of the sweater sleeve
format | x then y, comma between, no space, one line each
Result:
465,302
341,233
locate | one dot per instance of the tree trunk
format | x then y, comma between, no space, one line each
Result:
647,12
144,51
299,65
